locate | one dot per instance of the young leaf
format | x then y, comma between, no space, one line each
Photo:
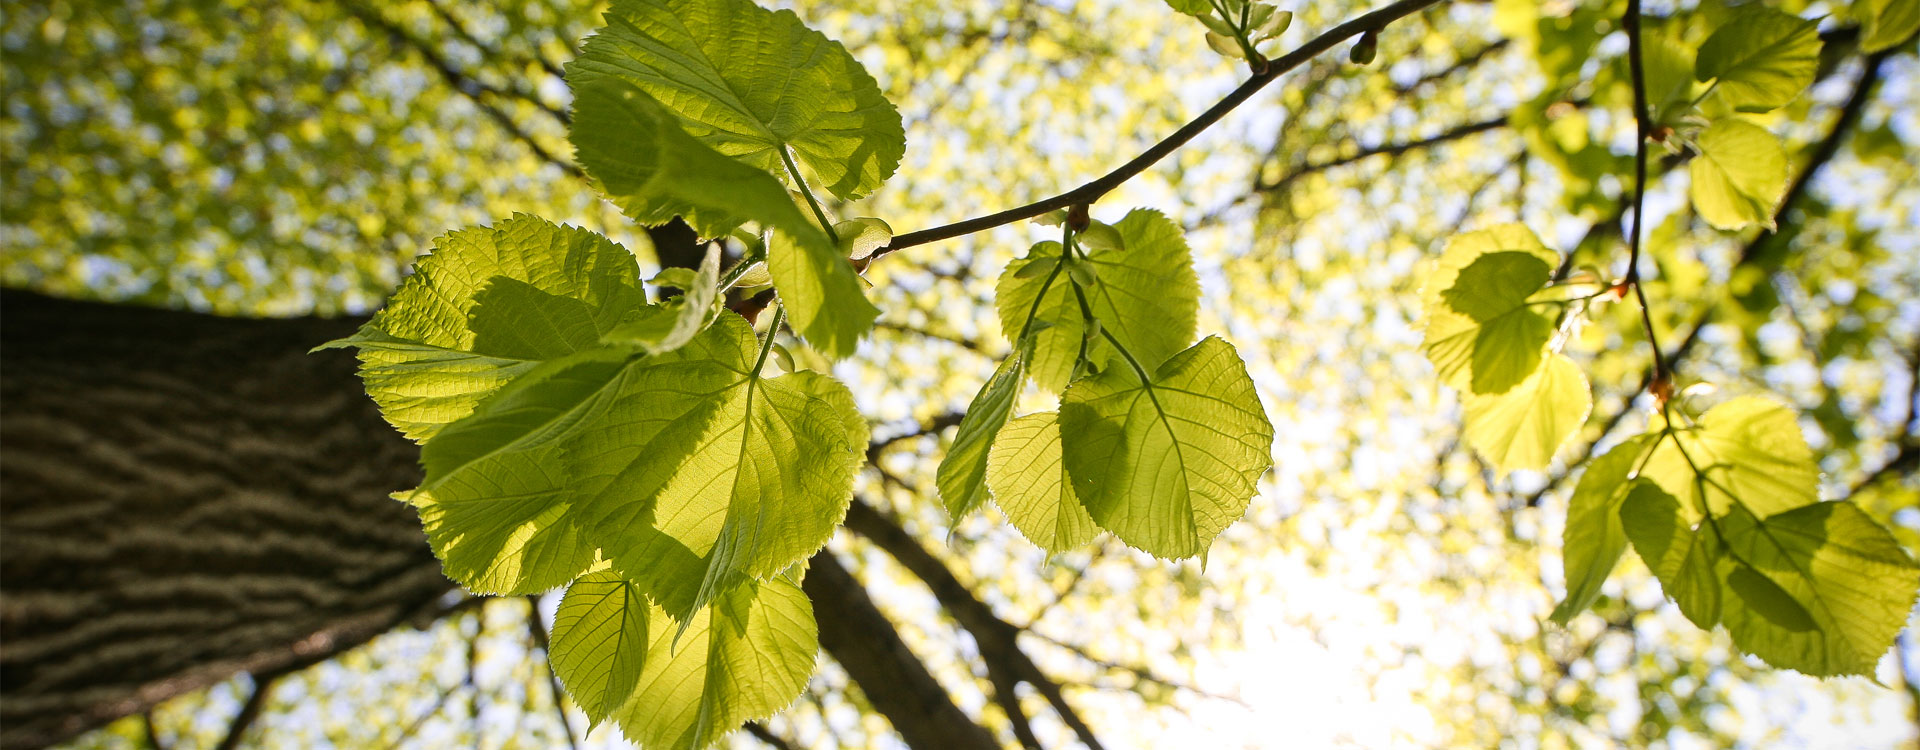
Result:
599,644
1762,59
962,474
449,337
1823,588
1481,334
1886,23
654,171
1522,428
1167,464
743,658
495,504
1749,452
671,326
1594,539
1029,481
1681,557
1147,294
1739,176
749,83
705,473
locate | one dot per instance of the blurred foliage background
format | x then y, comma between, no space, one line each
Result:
1386,589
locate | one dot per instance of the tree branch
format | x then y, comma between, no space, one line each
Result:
997,640
537,632
249,711
1390,149
1088,193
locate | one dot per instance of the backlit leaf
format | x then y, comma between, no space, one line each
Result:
1739,176
1594,539
1029,481
599,642
1481,334
1523,427
962,474
1762,59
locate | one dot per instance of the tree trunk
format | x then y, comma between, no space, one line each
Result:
187,497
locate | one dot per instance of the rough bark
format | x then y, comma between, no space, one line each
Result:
187,497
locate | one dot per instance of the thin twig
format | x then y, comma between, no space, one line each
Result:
1091,191
761,733
1643,125
1390,149
249,711
537,632
152,732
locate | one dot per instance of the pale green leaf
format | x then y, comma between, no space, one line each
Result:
1668,63
1682,558
1886,23
750,82
1523,427
672,325
1144,291
599,642
746,657
962,474
1748,451
860,236
497,500
1594,539
704,473
1822,588
1739,176
1191,7
1481,334
1028,478
1167,464
1761,59
450,336
654,172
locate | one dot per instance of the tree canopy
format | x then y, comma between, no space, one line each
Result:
1208,368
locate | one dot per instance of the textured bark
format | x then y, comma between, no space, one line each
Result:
187,497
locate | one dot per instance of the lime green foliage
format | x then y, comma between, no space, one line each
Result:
1144,292
1481,333
1739,176
1523,427
1761,59
1166,464
1028,478
654,172
962,475
1594,538
1726,515
751,83
496,502
744,658
488,305
1886,23
670,326
1747,452
600,642
705,473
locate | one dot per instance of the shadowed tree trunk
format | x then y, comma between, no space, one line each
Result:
187,497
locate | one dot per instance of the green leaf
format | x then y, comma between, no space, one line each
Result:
860,236
1886,23
1028,478
962,474
1167,464
748,83
1481,334
671,326
1191,7
1749,452
600,639
654,171
1823,588
705,474
1522,428
1668,63
1594,539
822,294
1145,292
1762,59
496,503
744,658
1682,558
452,334
1739,176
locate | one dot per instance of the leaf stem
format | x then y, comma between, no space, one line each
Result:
1662,383
766,347
821,216
734,274
1086,193
1066,233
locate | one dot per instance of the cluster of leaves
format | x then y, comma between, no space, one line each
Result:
1244,29
1723,506
671,467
